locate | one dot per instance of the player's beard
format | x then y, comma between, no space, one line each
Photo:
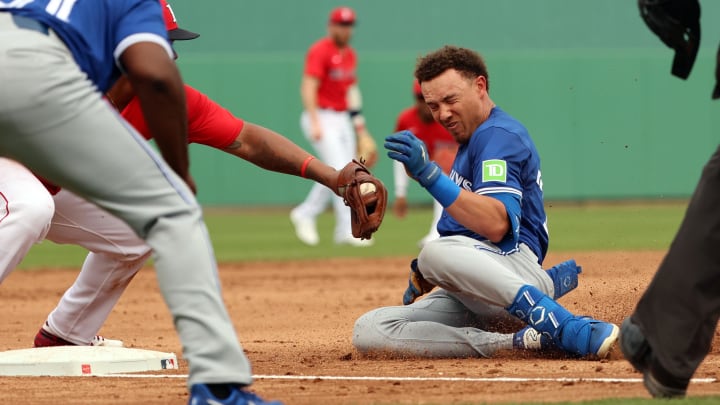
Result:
341,38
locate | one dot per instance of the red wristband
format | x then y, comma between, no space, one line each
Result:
305,165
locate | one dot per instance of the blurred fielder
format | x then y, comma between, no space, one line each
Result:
57,58
116,253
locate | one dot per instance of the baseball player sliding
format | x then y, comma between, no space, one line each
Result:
332,102
487,261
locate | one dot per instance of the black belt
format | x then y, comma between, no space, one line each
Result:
29,24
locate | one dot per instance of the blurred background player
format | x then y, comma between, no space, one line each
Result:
441,146
331,100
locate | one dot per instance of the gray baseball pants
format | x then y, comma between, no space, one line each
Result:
477,283
53,120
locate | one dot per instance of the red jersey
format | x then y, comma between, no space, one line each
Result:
335,68
208,124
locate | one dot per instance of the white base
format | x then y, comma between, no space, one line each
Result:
82,361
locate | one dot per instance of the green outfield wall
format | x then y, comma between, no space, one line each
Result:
587,78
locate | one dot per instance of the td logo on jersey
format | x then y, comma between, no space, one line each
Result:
494,170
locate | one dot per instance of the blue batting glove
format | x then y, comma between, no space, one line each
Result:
407,149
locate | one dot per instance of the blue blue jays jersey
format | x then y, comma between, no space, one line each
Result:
97,32
500,161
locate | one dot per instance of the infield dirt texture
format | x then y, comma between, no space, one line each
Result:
295,319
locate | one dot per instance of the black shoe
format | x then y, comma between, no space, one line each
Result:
636,349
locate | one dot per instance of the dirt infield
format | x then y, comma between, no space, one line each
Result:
295,319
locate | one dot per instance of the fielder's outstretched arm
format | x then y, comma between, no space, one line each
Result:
272,151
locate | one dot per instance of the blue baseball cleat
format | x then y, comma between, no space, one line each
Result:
585,336
564,277
200,394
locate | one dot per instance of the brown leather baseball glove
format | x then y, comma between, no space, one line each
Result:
366,196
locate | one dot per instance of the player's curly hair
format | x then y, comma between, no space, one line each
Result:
467,62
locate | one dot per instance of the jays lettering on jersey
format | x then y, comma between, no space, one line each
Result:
501,161
97,32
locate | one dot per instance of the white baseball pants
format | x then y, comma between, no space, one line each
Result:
26,208
116,255
336,148
477,283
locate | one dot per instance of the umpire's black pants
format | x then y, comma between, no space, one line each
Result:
679,310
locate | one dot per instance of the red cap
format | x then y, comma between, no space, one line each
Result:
342,15
416,88
174,32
